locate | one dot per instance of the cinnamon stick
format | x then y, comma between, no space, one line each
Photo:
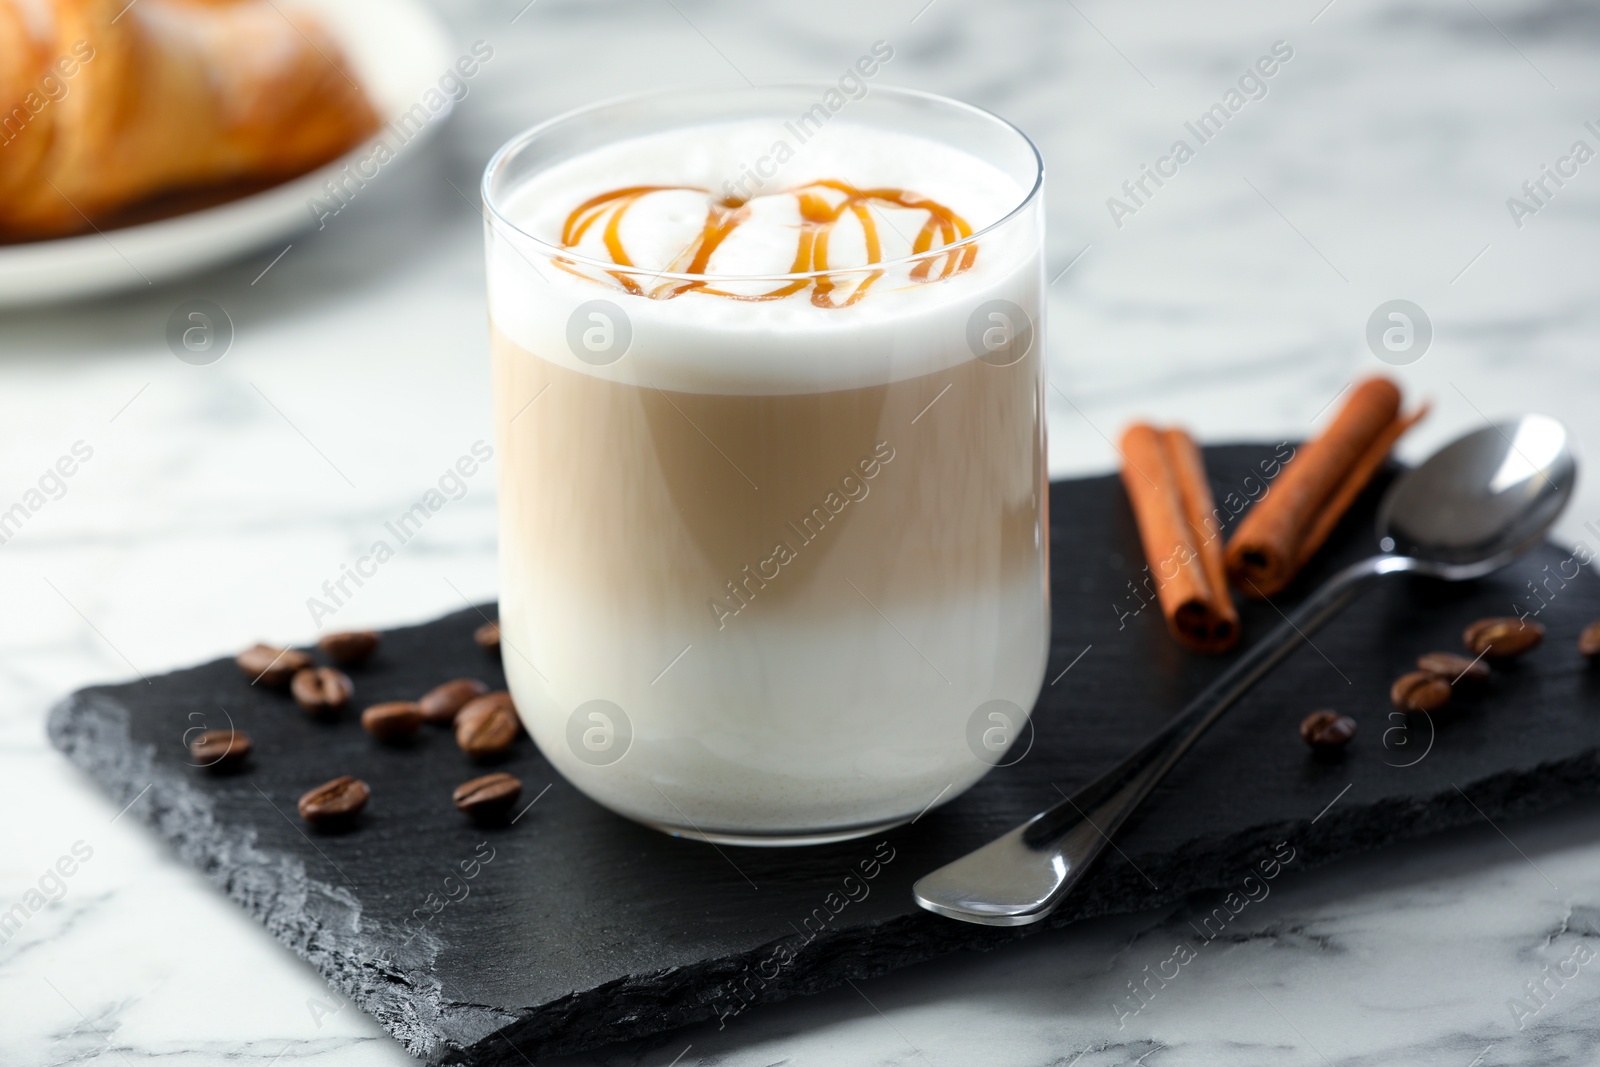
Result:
1166,483
1283,531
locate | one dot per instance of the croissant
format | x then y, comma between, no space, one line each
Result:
105,104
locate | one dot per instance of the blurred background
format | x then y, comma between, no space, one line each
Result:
1234,299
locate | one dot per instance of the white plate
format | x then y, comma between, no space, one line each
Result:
399,50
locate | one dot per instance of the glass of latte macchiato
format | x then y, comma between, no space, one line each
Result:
769,373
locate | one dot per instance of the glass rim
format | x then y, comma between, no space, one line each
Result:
502,155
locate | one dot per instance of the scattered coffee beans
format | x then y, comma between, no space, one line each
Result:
1502,638
336,802
1327,731
488,637
271,666
1453,668
350,647
392,721
441,703
222,749
321,689
488,799
1589,640
486,727
1420,691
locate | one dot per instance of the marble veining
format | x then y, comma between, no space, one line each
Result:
1235,299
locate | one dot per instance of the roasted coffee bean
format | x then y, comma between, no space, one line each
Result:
441,703
488,799
487,726
391,721
1420,691
488,637
271,666
321,689
1589,640
1453,668
350,647
1502,638
222,749
336,802
1327,731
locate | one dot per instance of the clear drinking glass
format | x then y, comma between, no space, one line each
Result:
772,571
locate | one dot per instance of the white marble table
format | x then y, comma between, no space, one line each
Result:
1235,298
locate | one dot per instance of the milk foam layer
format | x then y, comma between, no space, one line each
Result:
702,343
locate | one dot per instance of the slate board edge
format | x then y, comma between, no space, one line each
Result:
448,1031
90,728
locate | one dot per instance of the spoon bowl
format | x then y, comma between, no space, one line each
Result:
1481,501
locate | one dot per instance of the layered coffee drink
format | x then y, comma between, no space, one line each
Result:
772,478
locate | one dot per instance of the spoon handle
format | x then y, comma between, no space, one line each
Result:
1021,877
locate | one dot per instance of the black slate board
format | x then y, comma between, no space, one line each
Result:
584,929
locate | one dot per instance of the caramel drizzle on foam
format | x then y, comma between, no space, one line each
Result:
818,219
